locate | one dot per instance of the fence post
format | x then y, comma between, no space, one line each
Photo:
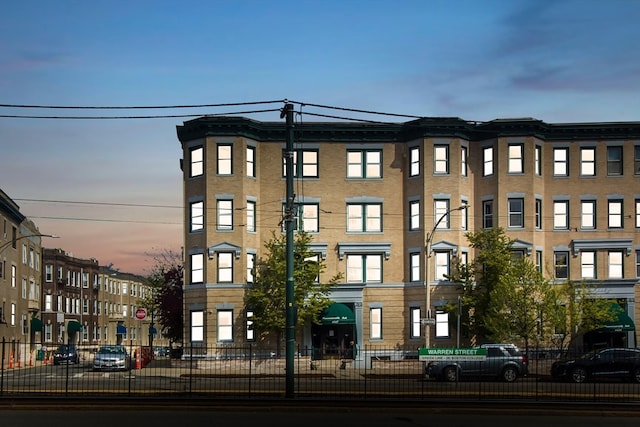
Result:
2,369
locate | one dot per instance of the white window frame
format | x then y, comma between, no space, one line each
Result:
615,214
225,267
588,264
251,262
561,161
224,159
442,324
616,264
557,266
561,215
516,213
224,215
250,333
442,260
516,158
364,217
196,162
538,160
464,167
415,267
614,165
487,217
414,215
251,216
375,323
441,210
487,161
414,161
224,325
588,214
364,268
637,213
415,322
364,164
587,161
196,211
251,161
440,159
197,268
197,325
309,167
538,214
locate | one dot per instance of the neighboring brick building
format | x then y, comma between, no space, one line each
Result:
369,193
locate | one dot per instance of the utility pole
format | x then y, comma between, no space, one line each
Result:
290,327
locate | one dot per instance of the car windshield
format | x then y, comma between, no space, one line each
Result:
111,350
589,355
64,348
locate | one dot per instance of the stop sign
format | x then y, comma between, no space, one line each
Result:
141,313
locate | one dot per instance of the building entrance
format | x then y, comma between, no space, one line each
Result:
335,337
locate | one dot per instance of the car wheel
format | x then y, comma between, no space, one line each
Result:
509,374
635,375
450,374
578,375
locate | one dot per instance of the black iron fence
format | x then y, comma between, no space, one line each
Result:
368,372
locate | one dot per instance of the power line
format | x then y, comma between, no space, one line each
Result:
140,107
163,116
98,203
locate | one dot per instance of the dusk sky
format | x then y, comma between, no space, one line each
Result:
112,188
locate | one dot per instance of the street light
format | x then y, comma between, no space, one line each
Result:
12,241
428,321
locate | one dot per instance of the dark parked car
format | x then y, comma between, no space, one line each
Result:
503,361
66,353
623,363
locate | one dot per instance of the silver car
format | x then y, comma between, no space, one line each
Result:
112,358
504,361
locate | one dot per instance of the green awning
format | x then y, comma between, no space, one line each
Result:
36,324
338,314
622,322
74,326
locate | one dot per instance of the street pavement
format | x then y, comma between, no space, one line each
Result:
290,412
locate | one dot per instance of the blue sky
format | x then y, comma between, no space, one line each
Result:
558,61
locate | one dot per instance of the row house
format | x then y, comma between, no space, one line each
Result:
372,194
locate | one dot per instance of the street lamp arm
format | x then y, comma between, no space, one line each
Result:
26,236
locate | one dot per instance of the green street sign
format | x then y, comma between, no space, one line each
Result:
458,354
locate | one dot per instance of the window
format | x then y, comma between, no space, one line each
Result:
588,214
196,162
516,158
464,171
224,159
561,265
48,273
250,332
197,268
441,213
197,215
440,159
364,217
224,215
561,215
487,214
12,314
251,262
615,265
637,263
307,218
225,325
375,315
197,326
538,160
487,161
560,162
637,213
414,161
14,275
48,302
251,216
364,268
539,261
415,322
442,264
307,168
414,259
615,213
588,265
538,214
636,160
414,215
587,161
464,216
364,164
225,267
614,161
516,212
442,324
251,162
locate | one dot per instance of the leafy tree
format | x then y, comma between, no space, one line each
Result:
166,299
479,278
519,303
578,312
267,295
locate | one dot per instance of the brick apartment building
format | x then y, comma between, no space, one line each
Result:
370,194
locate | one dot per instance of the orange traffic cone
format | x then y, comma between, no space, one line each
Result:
44,358
51,357
18,365
138,362
11,360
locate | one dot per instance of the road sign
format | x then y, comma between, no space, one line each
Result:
428,321
141,313
458,354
